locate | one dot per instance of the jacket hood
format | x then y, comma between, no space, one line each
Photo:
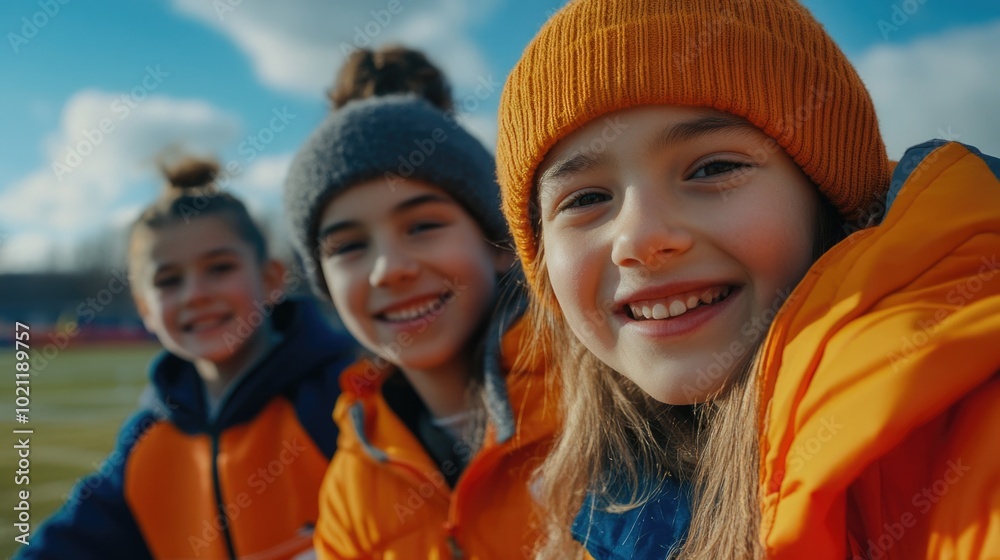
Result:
887,331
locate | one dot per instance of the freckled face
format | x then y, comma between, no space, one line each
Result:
671,236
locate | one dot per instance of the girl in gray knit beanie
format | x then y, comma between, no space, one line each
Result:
395,213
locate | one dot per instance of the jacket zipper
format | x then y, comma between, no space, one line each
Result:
473,472
456,551
415,476
215,433
219,505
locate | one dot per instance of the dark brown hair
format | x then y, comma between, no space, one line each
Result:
390,69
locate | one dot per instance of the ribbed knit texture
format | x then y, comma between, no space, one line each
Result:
394,137
767,61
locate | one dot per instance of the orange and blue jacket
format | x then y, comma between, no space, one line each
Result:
879,436
243,484
385,497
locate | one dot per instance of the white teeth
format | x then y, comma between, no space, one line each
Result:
413,312
678,307
659,311
203,324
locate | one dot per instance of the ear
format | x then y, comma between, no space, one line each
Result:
274,279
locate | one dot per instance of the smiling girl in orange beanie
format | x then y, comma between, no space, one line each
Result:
773,343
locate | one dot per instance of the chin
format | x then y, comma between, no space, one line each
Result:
677,398
681,390
419,364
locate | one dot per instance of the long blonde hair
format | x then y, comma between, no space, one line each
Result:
613,429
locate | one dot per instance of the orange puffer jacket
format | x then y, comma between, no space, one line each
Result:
879,439
384,497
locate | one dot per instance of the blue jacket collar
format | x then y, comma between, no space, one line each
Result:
651,530
307,343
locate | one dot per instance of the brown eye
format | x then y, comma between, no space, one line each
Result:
423,226
717,167
222,268
162,282
340,248
584,199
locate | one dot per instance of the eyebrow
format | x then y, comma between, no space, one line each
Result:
579,163
673,134
220,252
696,128
405,206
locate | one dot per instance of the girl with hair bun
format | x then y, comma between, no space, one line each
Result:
226,455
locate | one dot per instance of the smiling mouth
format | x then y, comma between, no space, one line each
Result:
675,306
206,323
411,313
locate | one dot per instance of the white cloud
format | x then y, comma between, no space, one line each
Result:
482,126
26,251
264,177
122,217
945,86
106,146
298,45
106,140
260,188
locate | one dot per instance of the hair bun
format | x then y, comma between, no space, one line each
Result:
389,70
191,173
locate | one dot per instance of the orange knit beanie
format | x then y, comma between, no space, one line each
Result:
767,61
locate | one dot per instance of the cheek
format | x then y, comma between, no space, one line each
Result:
572,272
351,311
345,290
774,247
158,314
472,279
161,306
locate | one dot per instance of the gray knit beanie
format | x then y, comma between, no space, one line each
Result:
393,136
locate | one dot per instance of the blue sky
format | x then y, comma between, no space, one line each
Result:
211,77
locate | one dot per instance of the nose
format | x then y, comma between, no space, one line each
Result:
650,229
392,265
197,288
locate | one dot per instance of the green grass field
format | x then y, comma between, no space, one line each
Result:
78,403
